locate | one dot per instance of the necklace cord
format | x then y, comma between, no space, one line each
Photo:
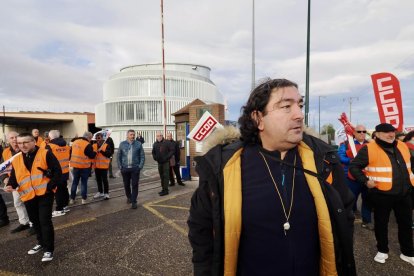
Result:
287,216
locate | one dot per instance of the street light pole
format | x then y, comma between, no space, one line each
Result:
307,66
253,52
350,101
319,107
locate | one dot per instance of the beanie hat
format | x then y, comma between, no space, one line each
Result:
384,127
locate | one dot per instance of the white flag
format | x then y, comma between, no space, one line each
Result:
204,127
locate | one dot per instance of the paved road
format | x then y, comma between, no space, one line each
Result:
109,238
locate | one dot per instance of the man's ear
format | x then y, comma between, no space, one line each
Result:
257,117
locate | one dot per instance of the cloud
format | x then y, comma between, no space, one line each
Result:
59,53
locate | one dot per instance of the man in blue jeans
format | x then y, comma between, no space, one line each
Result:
131,159
81,161
346,156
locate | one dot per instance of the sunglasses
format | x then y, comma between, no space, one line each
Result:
361,131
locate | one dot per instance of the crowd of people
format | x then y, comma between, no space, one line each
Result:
39,170
270,196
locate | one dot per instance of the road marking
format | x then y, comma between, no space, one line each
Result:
170,206
74,223
8,273
170,222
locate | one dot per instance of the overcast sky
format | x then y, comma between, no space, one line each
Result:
55,55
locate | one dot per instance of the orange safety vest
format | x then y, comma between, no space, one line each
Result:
62,154
101,162
79,159
7,154
379,168
32,183
39,141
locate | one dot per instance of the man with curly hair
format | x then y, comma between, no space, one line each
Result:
275,201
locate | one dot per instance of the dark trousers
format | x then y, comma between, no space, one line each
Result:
130,177
3,210
102,180
62,195
110,168
39,210
357,188
383,204
164,171
175,170
82,175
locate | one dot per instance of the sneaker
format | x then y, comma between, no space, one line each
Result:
66,209
368,226
47,257
20,228
381,257
71,201
106,196
171,184
407,259
181,183
98,195
128,200
35,249
134,205
84,201
58,213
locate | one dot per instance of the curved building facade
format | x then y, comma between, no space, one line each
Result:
133,98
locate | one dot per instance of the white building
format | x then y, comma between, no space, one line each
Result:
133,98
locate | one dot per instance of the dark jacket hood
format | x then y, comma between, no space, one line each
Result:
58,141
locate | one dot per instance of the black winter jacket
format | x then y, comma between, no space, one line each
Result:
206,220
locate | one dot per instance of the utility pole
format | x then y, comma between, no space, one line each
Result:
307,66
350,101
319,107
164,102
253,52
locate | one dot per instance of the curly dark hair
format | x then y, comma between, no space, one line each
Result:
257,101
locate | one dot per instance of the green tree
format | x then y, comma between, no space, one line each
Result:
330,131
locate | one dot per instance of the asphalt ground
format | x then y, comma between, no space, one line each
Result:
106,237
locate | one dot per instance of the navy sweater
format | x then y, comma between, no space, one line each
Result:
264,247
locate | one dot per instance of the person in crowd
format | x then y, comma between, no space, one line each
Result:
101,165
275,200
373,136
36,135
140,138
385,168
131,159
61,151
8,152
81,158
35,175
111,145
346,156
175,162
46,141
409,141
162,151
400,136
4,218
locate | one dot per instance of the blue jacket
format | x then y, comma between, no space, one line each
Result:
138,155
345,160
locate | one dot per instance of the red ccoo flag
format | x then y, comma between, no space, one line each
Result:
388,97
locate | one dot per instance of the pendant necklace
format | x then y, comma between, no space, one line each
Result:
286,225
